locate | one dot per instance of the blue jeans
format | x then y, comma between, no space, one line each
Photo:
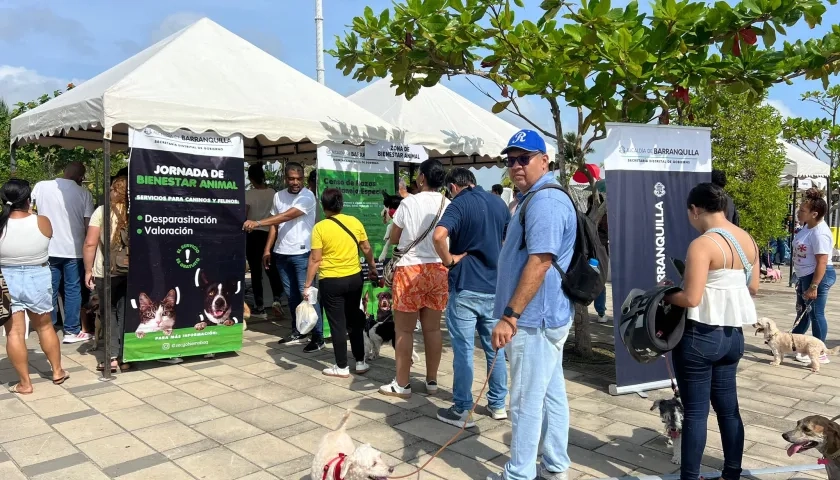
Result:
292,270
601,303
539,408
70,270
467,312
706,366
816,317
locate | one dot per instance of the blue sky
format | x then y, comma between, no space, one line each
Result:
46,44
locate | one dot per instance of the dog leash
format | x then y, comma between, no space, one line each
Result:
463,427
801,315
671,376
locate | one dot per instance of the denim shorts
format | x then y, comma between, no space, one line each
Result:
30,287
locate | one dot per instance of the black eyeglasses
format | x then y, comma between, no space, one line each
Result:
523,160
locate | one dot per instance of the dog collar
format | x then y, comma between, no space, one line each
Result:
337,461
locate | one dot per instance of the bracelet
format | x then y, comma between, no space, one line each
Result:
511,325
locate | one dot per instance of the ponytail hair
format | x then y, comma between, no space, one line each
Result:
14,195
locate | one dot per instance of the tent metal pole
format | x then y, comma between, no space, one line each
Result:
396,178
105,294
790,233
319,40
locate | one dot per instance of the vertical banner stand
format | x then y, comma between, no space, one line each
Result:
651,168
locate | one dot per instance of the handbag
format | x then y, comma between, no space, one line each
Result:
391,267
5,301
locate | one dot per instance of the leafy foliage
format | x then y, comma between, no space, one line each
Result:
745,146
36,162
616,64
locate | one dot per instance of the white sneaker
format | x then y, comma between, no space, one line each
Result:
431,387
394,389
824,359
417,327
602,319
171,361
803,358
362,367
334,371
544,474
78,338
498,414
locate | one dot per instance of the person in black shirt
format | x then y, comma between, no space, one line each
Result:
719,179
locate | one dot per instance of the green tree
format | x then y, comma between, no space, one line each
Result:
745,145
37,162
607,64
819,136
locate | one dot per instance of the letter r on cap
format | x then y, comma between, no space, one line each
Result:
520,137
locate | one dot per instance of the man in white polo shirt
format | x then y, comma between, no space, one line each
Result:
69,207
291,224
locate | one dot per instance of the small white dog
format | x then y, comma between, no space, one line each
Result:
337,458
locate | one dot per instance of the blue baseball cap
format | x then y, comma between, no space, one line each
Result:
527,140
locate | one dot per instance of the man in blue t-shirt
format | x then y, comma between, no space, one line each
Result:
535,315
474,223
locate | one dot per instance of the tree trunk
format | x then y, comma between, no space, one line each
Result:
583,337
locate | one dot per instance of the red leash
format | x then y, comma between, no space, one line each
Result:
337,461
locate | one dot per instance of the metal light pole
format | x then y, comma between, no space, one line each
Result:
319,40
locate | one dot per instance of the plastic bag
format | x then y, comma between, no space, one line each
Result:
307,317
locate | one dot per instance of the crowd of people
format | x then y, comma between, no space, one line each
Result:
449,241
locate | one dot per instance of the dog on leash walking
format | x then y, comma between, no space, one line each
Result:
337,458
671,413
821,433
781,343
382,329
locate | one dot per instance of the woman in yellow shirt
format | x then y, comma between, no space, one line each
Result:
335,259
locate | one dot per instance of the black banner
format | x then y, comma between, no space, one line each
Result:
187,263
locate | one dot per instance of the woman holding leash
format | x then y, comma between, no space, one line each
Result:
336,241
721,275
812,246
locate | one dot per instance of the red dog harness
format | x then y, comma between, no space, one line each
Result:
337,462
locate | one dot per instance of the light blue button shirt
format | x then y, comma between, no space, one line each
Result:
551,226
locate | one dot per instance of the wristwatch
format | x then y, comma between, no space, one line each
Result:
451,265
814,286
510,313
259,223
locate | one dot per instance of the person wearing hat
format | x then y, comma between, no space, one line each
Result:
535,314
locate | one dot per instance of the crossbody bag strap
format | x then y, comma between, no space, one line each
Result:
431,227
343,227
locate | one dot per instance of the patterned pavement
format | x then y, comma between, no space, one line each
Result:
259,413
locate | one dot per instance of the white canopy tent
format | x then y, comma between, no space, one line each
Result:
800,165
204,78
448,125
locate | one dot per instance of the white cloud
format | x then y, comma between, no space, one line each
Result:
780,106
19,84
174,23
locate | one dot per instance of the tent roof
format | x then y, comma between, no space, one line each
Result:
801,164
439,119
203,78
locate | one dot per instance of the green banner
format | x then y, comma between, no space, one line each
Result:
362,182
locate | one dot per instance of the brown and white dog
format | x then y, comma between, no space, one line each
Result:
820,433
337,458
781,343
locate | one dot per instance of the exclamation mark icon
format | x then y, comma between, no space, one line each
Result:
188,255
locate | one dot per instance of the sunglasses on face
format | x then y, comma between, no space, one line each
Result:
523,160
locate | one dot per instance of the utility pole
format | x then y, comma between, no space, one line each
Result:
319,40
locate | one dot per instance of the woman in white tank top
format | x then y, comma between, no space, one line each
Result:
721,275
24,261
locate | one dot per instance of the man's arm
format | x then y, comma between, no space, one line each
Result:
272,237
531,280
284,217
441,246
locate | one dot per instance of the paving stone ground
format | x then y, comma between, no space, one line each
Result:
259,413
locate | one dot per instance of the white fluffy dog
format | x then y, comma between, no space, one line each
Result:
337,458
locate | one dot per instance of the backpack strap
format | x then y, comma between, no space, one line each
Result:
525,201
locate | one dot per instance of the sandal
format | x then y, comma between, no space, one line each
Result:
14,389
101,367
61,380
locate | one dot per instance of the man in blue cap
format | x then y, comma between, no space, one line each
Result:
535,314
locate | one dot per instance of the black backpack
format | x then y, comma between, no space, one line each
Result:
581,283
